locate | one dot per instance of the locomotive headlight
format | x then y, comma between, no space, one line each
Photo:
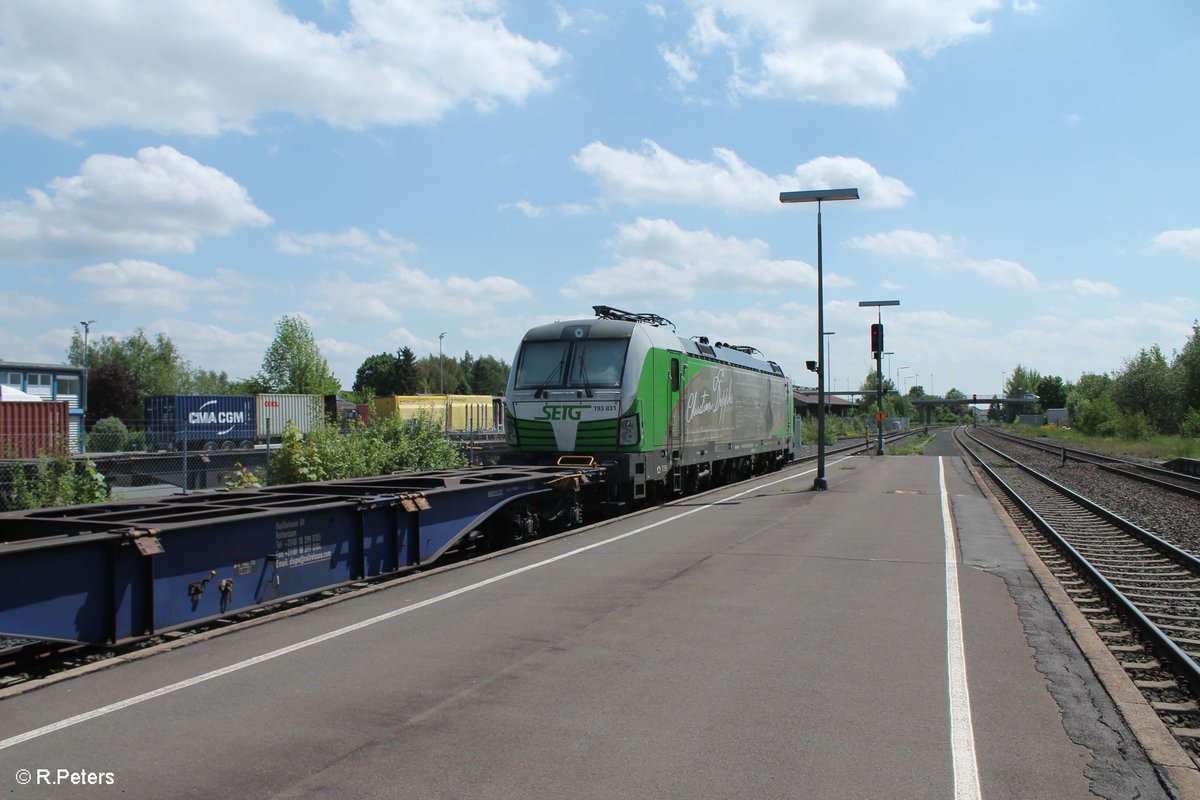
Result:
628,430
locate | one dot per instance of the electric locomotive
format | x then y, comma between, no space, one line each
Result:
667,415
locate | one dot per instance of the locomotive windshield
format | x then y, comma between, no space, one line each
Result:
597,363
541,364
590,364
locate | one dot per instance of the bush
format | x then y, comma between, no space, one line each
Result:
1135,427
1191,424
107,436
57,481
110,435
391,445
1096,417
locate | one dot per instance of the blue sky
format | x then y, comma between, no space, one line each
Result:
392,170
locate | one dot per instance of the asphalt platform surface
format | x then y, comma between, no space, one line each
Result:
760,641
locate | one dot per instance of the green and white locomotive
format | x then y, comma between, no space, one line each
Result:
668,415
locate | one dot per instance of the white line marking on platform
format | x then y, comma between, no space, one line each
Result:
217,673
962,732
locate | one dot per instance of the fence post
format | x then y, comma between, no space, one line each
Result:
268,430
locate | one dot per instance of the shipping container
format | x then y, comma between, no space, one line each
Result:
202,421
276,411
28,430
456,412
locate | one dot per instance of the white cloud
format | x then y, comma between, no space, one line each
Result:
657,175
657,260
680,65
943,253
911,244
848,52
72,65
352,244
525,207
18,305
162,201
584,20
1087,288
1002,272
130,283
401,288
1185,241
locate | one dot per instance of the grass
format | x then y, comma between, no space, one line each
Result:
915,447
1156,447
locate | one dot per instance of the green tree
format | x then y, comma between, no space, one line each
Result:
158,367
489,375
212,382
1146,385
1186,369
1022,381
466,365
377,375
407,380
431,376
293,363
1052,392
113,392
1090,405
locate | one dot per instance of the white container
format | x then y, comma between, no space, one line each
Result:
275,411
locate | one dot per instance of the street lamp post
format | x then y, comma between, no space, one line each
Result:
877,348
83,398
889,355
818,196
87,327
441,365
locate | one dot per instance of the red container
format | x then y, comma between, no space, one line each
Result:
27,430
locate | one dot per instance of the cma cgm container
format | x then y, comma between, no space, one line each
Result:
202,421
276,411
27,430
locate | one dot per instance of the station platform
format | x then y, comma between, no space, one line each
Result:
881,639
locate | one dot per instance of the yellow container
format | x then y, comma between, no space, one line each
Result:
457,412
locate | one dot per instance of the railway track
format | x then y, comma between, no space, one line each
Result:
1138,470
25,660
1140,592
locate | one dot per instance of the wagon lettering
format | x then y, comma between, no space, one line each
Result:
550,412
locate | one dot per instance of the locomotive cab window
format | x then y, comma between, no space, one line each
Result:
541,364
597,363
588,364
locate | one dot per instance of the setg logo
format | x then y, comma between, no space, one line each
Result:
550,412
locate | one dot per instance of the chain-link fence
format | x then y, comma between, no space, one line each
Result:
121,462
44,465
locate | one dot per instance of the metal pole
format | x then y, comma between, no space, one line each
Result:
879,380
83,393
879,390
441,367
819,482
